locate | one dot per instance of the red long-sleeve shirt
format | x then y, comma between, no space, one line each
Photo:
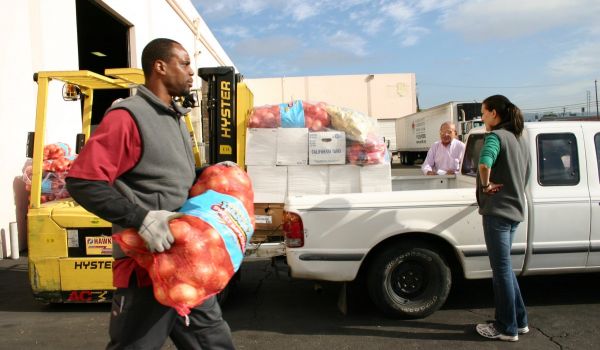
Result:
114,149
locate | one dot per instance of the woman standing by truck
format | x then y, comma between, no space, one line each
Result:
501,180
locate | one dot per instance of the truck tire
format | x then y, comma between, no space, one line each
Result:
409,282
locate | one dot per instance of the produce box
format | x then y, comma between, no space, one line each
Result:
326,147
308,179
292,146
376,178
261,146
269,182
344,178
268,216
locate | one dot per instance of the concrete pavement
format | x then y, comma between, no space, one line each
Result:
268,310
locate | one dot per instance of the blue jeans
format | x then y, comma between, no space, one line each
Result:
510,309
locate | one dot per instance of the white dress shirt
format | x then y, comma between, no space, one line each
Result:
441,159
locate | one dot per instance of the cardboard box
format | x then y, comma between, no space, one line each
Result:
261,146
344,178
327,147
269,183
308,179
376,178
269,216
292,146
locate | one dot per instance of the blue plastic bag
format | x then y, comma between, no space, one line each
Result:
292,116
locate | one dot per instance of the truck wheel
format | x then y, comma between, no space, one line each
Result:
409,282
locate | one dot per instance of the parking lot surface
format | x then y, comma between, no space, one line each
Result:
268,310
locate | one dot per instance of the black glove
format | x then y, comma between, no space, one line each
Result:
155,230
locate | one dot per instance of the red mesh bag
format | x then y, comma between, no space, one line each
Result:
204,255
265,117
373,151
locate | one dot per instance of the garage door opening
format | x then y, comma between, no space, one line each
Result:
103,42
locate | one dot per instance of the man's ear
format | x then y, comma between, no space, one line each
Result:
160,67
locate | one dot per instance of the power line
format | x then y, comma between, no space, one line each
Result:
491,87
582,104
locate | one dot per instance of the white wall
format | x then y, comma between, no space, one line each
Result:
34,42
386,97
383,96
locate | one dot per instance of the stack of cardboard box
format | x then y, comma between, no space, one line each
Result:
293,161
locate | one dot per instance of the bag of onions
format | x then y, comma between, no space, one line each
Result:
210,240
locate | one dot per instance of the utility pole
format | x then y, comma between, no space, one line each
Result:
589,100
368,81
596,84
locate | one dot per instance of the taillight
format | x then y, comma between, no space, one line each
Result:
293,230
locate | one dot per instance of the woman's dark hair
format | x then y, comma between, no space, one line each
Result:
157,49
510,115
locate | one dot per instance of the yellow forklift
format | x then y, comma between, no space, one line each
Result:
70,249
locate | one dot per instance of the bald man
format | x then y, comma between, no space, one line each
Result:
445,155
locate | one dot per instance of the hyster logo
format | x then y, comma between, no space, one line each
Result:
92,265
226,109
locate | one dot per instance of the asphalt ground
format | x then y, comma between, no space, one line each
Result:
269,310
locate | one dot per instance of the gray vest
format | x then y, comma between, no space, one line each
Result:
512,171
165,172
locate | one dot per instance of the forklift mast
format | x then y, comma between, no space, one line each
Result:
226,105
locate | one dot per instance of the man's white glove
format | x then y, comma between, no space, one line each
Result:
155,230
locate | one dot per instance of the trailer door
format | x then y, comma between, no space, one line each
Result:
387,129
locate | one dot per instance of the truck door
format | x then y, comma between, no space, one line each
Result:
561,201
593,149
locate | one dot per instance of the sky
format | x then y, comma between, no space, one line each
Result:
544,55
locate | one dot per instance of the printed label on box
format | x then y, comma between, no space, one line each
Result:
263,219
327,147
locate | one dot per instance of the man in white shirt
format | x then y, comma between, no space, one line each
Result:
444,156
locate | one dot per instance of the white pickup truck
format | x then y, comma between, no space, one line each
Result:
408,245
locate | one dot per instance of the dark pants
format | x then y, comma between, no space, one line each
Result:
138,321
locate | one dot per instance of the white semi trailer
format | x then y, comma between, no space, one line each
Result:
415,133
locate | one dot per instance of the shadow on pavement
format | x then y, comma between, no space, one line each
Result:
16,294
266,299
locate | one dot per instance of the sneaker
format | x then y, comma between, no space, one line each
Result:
489,331
523,330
